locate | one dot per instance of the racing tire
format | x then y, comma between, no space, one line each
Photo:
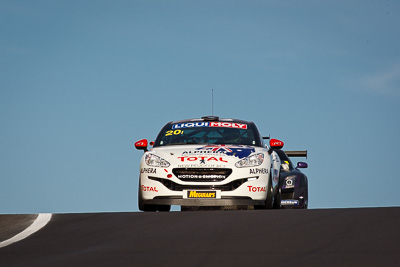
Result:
164,208
301,194
277,199
306,197
269,200
142,206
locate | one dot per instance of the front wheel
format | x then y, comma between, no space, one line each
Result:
269,199
164,208
144,207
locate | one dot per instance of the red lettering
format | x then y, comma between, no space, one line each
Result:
228,124
256,188
215,124
149,188
203,158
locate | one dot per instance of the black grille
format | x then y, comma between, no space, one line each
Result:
201,174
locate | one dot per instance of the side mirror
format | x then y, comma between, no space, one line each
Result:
141,144
301,165
275,144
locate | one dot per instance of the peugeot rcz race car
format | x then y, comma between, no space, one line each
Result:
211,162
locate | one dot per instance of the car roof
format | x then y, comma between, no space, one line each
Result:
212,118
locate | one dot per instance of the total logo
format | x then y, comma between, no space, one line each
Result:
203,159
149,188
257,188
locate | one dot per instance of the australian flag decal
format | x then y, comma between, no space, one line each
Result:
230,150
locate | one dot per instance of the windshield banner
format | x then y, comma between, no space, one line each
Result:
210,124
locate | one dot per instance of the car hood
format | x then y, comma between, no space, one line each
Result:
205,155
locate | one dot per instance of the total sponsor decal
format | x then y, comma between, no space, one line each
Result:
148,170
202,159
201,194
210,124
259,171
149,188
289,202
257,188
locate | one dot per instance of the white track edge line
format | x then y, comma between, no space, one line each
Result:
41,220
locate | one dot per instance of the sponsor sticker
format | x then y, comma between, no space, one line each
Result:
201,194
289,182
172,133
259,171
201,164
149,188
148,170
201,176
210,124
257,188
289,202
202,159
229,150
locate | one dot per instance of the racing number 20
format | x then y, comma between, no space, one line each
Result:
176,132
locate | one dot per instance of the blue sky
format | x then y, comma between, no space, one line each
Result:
81,81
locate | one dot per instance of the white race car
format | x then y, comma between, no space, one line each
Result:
209,162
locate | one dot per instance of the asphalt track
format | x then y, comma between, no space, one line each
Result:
330,237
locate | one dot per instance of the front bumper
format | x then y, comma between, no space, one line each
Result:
231,201
245,191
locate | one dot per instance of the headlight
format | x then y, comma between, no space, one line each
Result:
251,161
156,161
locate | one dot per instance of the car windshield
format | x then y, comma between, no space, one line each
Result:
205,133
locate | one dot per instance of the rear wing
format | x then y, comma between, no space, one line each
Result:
302,153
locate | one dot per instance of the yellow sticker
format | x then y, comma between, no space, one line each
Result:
171,132
202,194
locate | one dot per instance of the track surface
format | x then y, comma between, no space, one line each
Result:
334,237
